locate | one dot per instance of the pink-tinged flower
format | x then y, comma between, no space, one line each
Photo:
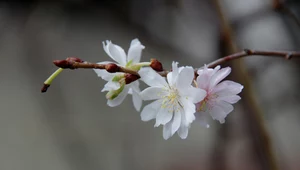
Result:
220,96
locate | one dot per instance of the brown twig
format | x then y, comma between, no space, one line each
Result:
111,67
114,68
76,63
246,52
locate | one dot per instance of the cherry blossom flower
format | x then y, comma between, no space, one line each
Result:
175,99
116,82
220,96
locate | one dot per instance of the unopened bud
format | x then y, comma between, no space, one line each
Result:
45,88
156,65
118,77
63,64
114,93
130,78
112,68
75,59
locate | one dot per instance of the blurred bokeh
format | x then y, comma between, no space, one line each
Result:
71,128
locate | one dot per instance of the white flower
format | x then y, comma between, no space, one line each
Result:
220,96
174,104
119,56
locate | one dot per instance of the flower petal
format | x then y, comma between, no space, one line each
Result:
137,100
150,111
185,78
176,121
202,118
111,85
135,51
184,127
167,130
152,93
221,110
189,110
204,76
152,78
163,116
172,126
119,99
173,75
170,77
104,74
219,76
227,87
230,99
115,52
183,132
134,86
194,94
225,106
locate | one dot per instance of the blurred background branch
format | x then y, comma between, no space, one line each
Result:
280,6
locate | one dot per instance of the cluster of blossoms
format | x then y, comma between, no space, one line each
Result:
179,98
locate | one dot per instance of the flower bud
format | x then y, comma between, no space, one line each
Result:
75,59
45,88
112,68
130,78
63,64
156,65
114,93
118,77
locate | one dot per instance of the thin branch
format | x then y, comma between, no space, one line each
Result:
245,53
86,65
132,75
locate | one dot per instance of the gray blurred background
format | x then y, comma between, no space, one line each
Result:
71,128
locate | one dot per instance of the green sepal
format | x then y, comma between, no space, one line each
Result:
128,63
118,77
114,93
137,66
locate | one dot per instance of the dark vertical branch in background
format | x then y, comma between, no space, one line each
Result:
222,134
291,19
253,114
280,6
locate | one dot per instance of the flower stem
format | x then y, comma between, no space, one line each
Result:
49,80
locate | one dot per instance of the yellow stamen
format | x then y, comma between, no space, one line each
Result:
170,100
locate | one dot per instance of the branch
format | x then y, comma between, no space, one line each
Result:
113,68
246,52
132,75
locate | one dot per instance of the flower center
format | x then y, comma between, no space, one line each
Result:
206,103
171,99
